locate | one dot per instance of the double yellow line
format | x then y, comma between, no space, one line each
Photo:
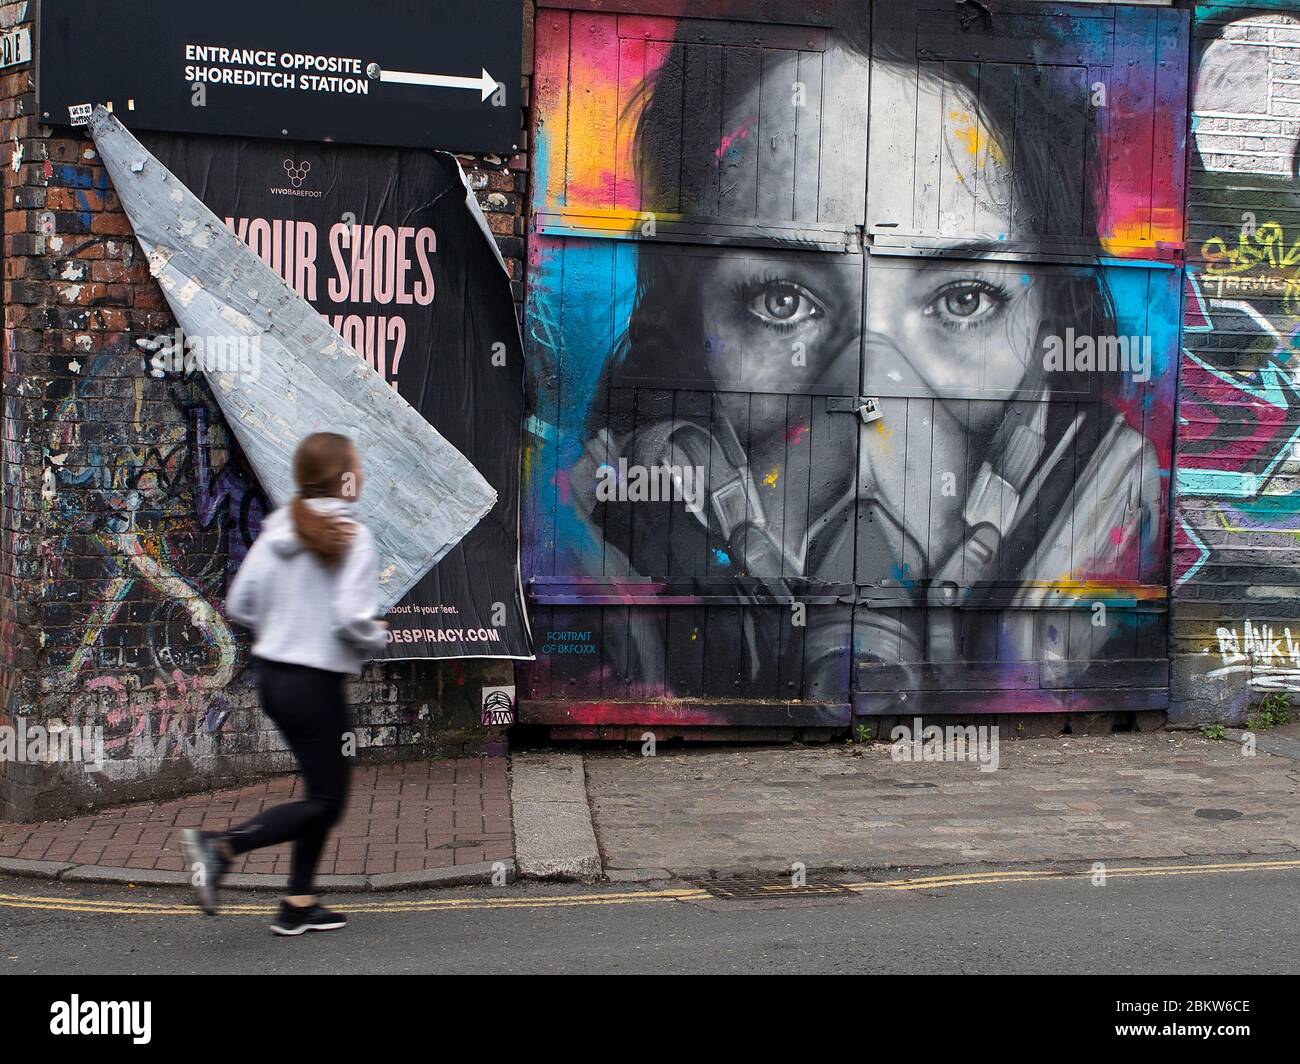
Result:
646,897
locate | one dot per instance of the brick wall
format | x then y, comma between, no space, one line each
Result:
122,494
1236,631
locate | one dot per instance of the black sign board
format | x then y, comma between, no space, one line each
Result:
401,73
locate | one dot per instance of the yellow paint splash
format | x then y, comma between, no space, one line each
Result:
886,436
972,135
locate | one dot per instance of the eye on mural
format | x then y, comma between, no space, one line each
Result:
853,351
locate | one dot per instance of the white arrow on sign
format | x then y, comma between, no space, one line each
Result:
485,83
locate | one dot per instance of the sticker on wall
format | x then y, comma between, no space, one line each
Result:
498,705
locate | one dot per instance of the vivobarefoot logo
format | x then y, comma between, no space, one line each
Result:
297,172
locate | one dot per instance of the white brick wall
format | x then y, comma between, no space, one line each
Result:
1247,95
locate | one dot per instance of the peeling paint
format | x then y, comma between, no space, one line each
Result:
189,290
158,260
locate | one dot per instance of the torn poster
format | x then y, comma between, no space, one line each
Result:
390,247
422,496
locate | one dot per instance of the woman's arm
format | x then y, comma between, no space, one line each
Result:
356,595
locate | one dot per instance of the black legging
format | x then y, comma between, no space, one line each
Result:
309,708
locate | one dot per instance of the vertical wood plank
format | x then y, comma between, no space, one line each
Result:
619,515
542,347
776,135
551,103
928,150
701,129
833,442
586,335
843,186
918,476
798,470
1085,496
738,150
1071,93
1132,98
535,676
771,483
1169,157
684,652
995,172
808,138
957,173
593,116
654,415
881,474
726,657
631,90
669,103
616,656
730,413
895,170
688,542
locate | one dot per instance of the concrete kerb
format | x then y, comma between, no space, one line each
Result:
554,835
481,874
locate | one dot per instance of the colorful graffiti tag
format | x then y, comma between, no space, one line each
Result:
1237,536
154,526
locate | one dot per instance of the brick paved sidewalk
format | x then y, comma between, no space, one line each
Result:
1071,798
412,822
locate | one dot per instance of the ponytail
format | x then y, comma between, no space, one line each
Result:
319,466
326,537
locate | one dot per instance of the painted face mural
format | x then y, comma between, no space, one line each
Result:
854,382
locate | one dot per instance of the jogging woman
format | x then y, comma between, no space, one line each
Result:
309,590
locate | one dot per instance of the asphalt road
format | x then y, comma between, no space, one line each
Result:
1159,917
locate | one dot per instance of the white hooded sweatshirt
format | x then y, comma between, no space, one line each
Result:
301,612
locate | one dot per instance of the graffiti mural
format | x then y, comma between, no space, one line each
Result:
1237,536
152,527
853,339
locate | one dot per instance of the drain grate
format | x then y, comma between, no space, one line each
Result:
751,889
